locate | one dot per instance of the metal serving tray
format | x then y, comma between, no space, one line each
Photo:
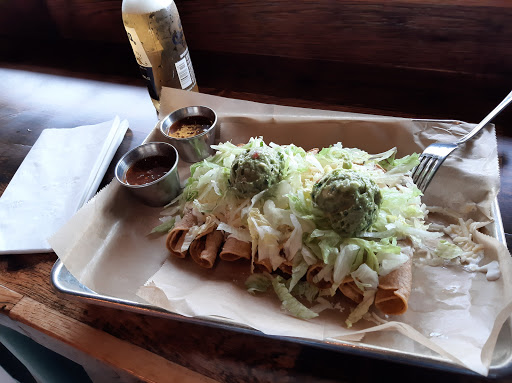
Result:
68,287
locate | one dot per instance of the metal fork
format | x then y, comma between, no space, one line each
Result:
435,154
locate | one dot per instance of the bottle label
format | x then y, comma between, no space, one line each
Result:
149,78
185,70
142,58
138,49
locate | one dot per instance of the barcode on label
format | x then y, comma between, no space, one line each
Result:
183,67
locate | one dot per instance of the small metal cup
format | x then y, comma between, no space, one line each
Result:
158,192
196,148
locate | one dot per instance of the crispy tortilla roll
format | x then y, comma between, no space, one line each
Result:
350,290
286,267
205,247
394,289
234,249
313,270
176,236
262,265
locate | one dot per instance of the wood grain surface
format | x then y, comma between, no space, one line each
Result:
431,59
458,36
124,355
8,299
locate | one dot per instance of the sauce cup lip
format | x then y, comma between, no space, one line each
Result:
129,164
166,134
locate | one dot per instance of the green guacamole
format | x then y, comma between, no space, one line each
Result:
349,199
256,170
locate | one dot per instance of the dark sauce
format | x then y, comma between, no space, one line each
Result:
190,126
148,169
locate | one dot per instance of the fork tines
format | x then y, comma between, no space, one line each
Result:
424,172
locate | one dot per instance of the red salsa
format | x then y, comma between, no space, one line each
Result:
190,126
148,169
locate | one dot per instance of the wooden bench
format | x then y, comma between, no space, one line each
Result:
407,57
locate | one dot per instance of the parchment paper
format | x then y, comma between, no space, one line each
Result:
453,314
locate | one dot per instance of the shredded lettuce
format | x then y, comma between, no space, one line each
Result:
283,224
306,290
197,230
362,308
294,242
299,269
447,250
164,227
289,302
257,283
388,161
385,159
325,244
342,157
404,164
389,262
241,234
367,280
266,238
344,262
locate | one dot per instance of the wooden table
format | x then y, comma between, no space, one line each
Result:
150,348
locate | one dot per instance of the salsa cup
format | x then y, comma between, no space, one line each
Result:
195,148
157,192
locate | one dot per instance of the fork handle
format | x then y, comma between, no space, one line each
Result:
488,118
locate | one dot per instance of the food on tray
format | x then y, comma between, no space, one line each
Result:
190,126
349,199
394,289
255,170
176,237
149,169
205,247
312,225
235,249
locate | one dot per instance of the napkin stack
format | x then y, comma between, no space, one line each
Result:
61,172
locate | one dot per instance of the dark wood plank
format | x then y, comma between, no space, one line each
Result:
418,58
417,35
385,90
333,85
456,36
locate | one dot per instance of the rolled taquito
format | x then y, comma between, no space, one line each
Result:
234,249
394,290
205,247
176,236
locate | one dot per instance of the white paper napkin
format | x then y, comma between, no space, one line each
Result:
60,173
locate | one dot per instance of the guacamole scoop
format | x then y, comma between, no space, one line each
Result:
349,199
255,170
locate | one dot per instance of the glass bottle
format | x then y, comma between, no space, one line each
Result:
156,36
